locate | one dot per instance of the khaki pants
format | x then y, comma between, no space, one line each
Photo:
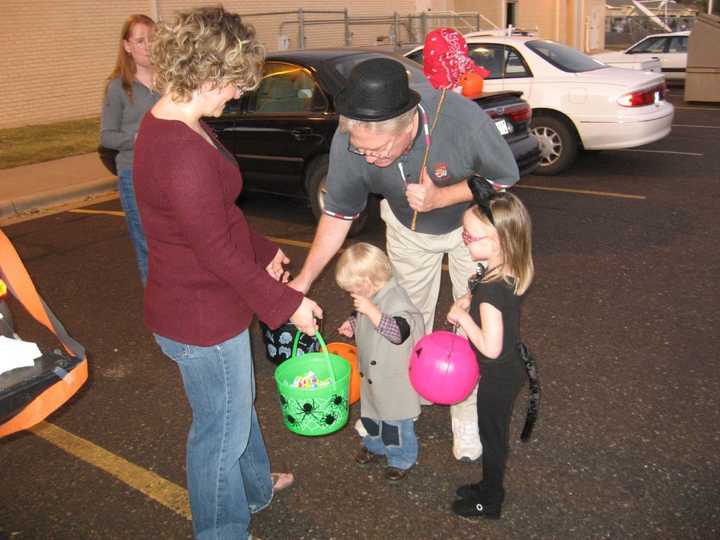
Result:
417,262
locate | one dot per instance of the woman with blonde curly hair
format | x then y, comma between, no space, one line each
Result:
209,271
129,94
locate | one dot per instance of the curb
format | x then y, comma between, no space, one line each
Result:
36,202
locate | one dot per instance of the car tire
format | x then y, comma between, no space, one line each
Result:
316,182
558,144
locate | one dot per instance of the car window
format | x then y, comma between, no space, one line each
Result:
286,88
344,65
678,44
563,57
417,56
514,65
649,45
490,57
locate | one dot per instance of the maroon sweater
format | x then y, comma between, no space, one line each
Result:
206,271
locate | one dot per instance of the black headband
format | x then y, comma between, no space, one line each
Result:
482,192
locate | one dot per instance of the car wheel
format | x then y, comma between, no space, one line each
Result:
558,144
316,182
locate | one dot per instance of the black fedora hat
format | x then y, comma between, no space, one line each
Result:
377,89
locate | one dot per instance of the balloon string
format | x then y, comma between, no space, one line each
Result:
452,344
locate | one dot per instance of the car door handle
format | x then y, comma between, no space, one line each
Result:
301,133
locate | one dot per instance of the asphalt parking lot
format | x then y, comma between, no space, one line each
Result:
622,318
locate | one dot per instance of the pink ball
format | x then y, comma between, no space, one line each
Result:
443,368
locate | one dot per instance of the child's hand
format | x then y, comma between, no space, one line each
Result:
457,314
346,329
463,302
365,306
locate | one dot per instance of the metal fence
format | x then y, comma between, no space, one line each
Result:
622,31
310,28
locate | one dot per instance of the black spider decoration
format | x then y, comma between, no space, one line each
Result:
338,405
305,410
325,412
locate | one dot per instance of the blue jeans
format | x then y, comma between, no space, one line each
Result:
132,217
394,439
228,470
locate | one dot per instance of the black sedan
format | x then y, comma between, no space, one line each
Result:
281,132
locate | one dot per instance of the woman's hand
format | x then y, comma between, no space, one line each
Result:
305,315
275,268
346,329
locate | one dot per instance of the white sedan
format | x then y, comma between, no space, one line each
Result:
577,102
669,49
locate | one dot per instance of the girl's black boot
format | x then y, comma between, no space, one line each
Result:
472,491
472,508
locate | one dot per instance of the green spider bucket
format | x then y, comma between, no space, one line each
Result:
314,411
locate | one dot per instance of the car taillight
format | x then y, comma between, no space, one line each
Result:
516,113
522,113
642,98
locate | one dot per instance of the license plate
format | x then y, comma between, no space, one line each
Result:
502,126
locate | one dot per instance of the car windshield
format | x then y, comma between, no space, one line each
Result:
649,45
344,65
563,57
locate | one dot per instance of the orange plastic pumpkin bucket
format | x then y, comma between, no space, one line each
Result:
472,84
349,353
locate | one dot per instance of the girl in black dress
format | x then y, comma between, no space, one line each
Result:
497,232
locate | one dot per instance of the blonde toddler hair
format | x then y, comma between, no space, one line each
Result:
362,263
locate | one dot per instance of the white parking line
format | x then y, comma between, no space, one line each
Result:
717,109
582,192
695,126
693,154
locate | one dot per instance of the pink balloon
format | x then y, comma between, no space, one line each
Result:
443,368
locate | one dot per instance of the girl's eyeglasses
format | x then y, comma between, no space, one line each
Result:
469,239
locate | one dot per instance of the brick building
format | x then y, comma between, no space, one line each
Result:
58,55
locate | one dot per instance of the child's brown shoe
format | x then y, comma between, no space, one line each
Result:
364,456
395,475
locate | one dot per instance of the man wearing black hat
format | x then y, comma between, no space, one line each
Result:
385,128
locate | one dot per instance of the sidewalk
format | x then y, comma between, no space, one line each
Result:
31,190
